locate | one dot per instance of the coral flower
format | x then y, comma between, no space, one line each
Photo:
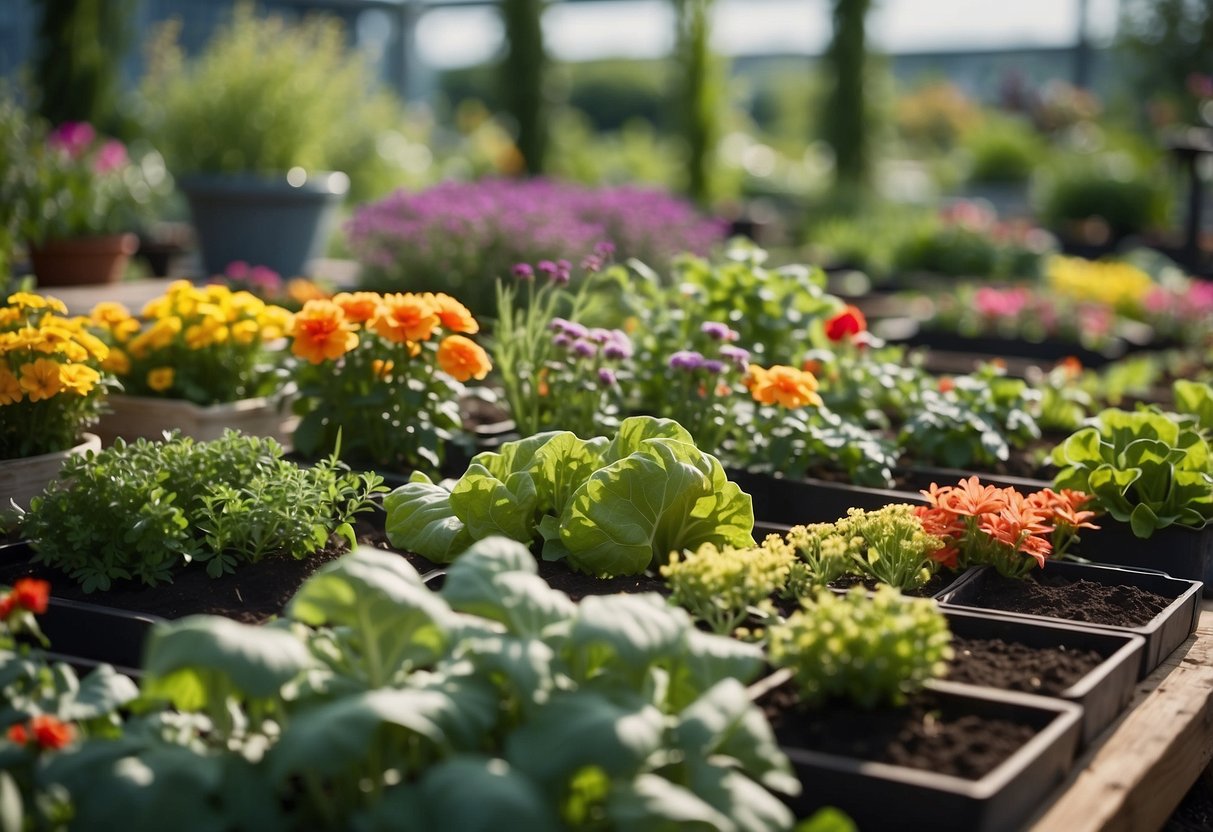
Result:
1065,508
321,332
850,321
359,307
406,317
971,498
40,379
31,594
783,385
462,358
453,315
50,732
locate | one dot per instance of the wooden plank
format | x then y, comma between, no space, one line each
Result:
1136,775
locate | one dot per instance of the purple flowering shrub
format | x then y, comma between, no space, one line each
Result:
461,237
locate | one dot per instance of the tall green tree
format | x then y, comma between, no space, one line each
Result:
524,79
1170,43
699,93
78,56
846,125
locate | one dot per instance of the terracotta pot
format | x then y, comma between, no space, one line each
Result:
26,477
132,417
82,260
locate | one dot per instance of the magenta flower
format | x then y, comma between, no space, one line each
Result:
687,360
73,137
585,348
237,270
606,376
718,331
523,271
738,355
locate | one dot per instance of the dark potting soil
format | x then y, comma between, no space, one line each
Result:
937,582
1077,600
1012,666
930,733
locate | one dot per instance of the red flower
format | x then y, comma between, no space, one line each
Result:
17,734
848,322
31,594
52,733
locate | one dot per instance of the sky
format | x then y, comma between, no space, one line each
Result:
450,38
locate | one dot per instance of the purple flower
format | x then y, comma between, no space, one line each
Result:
591,263
561,340
523,271
618,345
558,324
585,348
688,360
599,335
604,249
714,367
548,269
738,355
575,329
606,376
718,331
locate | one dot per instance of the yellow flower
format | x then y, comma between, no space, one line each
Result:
274,322
40,379
10,388
28,300
382,369
108,313
59,339
95,347
163,332
160,379
10,315
245,332
245,305
117,362
78,378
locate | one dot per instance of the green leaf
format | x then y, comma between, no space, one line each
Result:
420,519
190,661
504,799
488,505
11,810
751,807
725,722
667,496
1195,399
709,659
483,583
651,803
335,738
578,729
828,819
636,430
381,599
101,692
561,466
1082,447
1144,522
626,633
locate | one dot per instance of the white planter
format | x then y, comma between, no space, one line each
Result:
133,417
24,478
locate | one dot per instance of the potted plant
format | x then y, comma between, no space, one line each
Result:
381,376
251,128
52,385
78,198
198,359
856,709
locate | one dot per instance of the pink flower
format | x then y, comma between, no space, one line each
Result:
237,270
264,277
111,156
73,137
998,303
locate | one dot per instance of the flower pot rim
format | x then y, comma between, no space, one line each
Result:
218,183
239,405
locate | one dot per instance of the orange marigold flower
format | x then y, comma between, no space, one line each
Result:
320,331
850,321
381,369
51,732
31,594
453,315
462,358
946,384
10,387
406,317
811,366
359,307
1070,366
301,290
783,385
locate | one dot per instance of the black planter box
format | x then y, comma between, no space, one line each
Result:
1103,693
796,501
881,796
1176,550
1162,635
1049,350
85,635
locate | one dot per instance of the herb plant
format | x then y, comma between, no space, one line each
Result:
140,511
1144,468
379,704
580,497
722,586
868,651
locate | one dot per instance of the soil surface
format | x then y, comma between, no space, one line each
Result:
937,583
1077,600
1013,666
931,733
